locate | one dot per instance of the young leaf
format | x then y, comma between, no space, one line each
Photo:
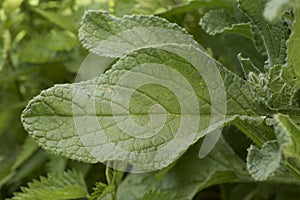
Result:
198,4
104,191
281,93
68,185
247,66
101,191
263,163
271,36
273,155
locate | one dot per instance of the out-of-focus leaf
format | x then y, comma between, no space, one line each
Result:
274,8
29,147
218,21
11,5
291,72
63,22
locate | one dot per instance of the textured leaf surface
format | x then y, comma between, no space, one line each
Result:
263,163
218,21
272,36
106,35
273,155
68,185
101,191
148,109
281,93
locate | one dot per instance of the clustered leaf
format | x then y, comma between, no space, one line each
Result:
97,121
49,117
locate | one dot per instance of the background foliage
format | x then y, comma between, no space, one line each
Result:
40,47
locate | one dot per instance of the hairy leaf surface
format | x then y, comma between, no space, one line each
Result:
152,105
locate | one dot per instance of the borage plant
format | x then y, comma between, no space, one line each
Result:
158,110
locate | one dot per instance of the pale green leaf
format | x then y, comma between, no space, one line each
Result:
268,161
65,118
106,35
263,163
274,9
218,21
67,185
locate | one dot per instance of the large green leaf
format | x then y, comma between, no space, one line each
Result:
150,107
